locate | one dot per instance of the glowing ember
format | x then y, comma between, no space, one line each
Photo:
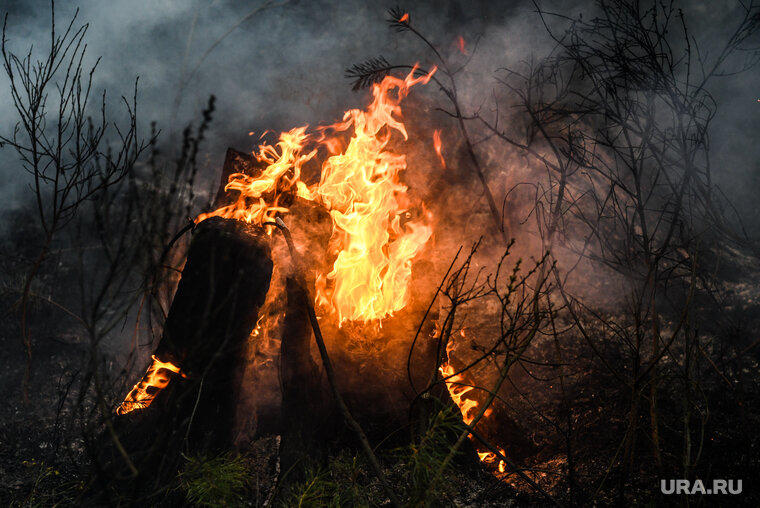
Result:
460,45
257,330
143,393
438,146
490,458
360,187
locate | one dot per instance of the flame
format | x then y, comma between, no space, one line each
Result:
155,379
455,383
457,390
438,146
404,18
487,457
281,174
362,190
490,458
360,187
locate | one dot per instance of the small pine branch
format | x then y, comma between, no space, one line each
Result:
399,19
368,72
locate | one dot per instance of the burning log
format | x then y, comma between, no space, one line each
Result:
215,308
355,233
375,355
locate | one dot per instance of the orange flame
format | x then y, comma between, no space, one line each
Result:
490,458
362,190
457,390
487,457
456,385
438,146
155,379
282,159
257,330
360,187
404,18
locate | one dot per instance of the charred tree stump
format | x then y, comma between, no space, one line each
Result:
224,284
280,408
215,308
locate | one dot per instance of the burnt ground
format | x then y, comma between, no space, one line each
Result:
40,450
582,411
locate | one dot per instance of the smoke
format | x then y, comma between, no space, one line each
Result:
271,65
276,65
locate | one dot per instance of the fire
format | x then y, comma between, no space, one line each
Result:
257,330
457,390
490,458
361,189
455,383
438,146
282,160
143,393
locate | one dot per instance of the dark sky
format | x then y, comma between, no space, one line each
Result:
282,66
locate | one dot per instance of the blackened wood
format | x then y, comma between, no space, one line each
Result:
378,376
223,284
309,418
330,373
